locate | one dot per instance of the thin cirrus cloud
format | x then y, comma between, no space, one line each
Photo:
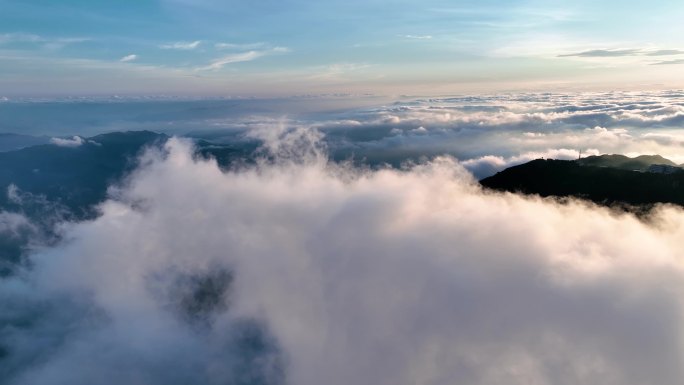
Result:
604,53
418,37
221,62
128,58
608,53
227,46
19,37
669,62
182,45
46,42
666,52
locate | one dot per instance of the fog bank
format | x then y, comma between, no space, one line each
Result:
302,271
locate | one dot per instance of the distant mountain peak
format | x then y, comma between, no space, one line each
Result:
639,163
604,179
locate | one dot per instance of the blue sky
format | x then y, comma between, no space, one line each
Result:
288,47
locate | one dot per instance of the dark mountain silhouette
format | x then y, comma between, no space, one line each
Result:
10,142
74,177
227,154
608,180
78,176
47,183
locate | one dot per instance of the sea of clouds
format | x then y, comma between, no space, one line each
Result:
485,133
299,270
491,133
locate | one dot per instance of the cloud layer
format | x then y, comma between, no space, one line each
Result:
315,273
500,130
510,128
128,58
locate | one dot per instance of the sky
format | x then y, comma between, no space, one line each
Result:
294,47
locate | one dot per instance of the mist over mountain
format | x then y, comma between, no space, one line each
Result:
294,251
487,133
73,172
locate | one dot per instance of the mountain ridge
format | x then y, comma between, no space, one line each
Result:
606,180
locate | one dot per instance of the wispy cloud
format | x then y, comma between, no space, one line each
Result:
604,53
666,52
607,53
128,58
417,37
182,45
219,63
240,46
338,70
669,62
45,42
19,38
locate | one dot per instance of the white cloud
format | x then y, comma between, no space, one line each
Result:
241,46
490,164
128,58
19,37
182,45
418,37
49,43
235,58
75,141
608,53
219,63
359,277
